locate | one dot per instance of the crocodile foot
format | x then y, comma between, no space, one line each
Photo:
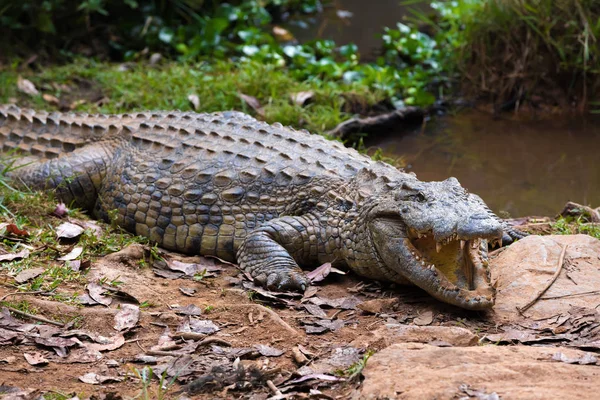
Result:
510,235
283,280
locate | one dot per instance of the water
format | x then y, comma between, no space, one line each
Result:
521,167
364,28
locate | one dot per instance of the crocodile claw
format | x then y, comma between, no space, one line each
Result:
511,234
283,281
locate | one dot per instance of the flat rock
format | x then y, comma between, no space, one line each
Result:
421,371
526,267
436,335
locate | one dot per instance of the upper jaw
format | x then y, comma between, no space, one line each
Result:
415,256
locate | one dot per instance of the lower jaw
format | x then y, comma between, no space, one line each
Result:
476,294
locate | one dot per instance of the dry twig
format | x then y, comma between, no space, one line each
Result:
273,388
36,317
19,294
272,313
561,261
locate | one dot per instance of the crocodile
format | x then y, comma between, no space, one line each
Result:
273,199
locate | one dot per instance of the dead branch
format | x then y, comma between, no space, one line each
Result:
381,123
575,210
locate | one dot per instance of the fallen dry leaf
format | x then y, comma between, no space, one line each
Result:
48,98
377,306
95,379
14,230
315,310
35,359
282,34
187,291
320,273
206,267
302,98
324,325
78,265
95,292
68,230
28,274
195,100
27,87
13,256
190,309
56,341
82,355
106,344
7,336
345,303
253,103
268,351
206,327
127,317
76,104
425,318
72,255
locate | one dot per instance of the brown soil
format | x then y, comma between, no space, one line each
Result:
384,315
242,326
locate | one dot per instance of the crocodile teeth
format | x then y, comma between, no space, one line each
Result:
500,242
438,246
474,244
462,244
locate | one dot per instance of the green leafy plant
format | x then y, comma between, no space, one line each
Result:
512,51
355,370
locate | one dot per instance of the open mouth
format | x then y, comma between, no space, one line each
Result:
453,269
459,265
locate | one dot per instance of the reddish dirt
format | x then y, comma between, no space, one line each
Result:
376,316
242,326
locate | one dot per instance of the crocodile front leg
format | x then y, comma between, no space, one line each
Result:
266,253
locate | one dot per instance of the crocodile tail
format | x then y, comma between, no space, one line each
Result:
47,135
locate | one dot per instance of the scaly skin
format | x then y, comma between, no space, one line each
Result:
269,197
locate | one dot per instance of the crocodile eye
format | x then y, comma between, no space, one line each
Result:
420,197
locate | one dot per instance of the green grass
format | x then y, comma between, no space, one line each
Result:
569,226
167,87
517,50
31,211
163,386
22,305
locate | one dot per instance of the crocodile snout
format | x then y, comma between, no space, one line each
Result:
480,226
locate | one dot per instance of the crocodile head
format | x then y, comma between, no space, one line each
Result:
435,235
